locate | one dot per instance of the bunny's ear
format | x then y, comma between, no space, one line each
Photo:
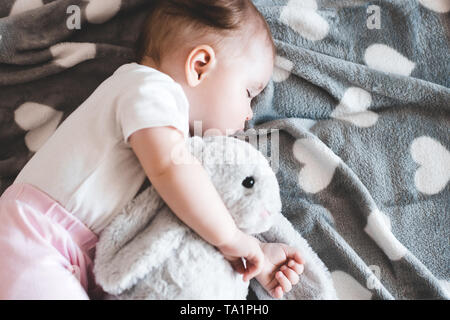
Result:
123,228
315,281
147,250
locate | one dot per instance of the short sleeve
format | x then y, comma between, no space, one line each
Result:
152,105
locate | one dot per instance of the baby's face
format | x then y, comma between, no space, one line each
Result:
223,100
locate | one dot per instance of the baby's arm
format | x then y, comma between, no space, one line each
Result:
189,192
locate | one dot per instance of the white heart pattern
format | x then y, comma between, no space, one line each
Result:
434,159
302,16
100,11
347,288
440,6
379,229
383,58
319,162
282,70
68,54
39,120
353,108
24,5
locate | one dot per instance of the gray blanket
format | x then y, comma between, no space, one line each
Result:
358,104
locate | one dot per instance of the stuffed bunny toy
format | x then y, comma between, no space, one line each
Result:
146,252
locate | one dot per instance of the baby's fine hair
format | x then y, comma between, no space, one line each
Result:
172,24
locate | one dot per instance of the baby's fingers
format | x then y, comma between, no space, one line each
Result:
254,266
290,274
293,253
252,270
298,258
297,267
238,266
283,281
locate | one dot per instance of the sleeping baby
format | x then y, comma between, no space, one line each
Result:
197,61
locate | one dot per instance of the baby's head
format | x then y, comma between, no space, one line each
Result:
220,51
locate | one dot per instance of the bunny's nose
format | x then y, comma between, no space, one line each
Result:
265,214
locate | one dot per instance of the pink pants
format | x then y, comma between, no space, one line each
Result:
45,252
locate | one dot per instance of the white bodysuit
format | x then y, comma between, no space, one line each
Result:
87,165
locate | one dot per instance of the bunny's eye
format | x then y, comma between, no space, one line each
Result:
248,182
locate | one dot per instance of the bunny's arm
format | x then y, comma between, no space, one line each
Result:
315,281
110,265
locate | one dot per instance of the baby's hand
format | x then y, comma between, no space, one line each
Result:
281,270
244,247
